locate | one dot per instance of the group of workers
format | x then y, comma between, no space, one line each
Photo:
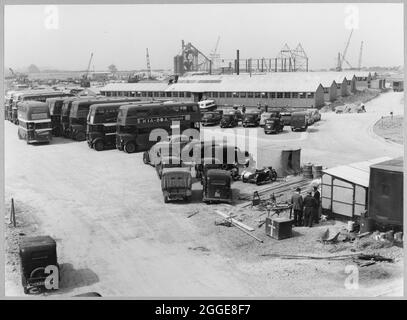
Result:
306,209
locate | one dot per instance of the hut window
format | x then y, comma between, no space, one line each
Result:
326,90
303,95
150,94
264,95
168,94
181,94
214,94
279,95
235,94
242,94
250,94
295,95
257,94
138,94
287,95
221,94
188,94
209,94
228,94
272,95
156,94
310,95
144,94
175,94
162,94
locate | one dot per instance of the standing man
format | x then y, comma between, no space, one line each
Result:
309,207
317,197
297,202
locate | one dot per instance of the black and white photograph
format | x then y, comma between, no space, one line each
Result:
203,150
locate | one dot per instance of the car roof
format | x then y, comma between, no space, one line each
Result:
218,173
182,170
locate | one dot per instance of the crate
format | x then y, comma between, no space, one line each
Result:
279,228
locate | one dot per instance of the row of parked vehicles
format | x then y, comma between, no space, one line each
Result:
214,164
272,122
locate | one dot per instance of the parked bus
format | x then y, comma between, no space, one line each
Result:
135,122
79,114
65,111
33,95
101,124
34,121
55,109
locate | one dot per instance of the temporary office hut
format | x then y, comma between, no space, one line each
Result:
386,192
345,188
286,161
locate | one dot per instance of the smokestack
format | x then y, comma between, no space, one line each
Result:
237,62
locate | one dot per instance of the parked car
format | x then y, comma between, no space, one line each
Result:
217,186
176,184
273,125
229,120
316,116
260,176
211,118
310,118
251,119
168,162
299,121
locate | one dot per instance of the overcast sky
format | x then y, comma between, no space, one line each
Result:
120,34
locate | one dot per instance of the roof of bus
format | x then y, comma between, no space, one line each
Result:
30,106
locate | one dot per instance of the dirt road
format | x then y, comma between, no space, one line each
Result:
115,235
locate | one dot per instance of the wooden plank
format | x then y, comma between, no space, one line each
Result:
234,221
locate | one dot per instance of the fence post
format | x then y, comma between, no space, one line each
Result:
12,213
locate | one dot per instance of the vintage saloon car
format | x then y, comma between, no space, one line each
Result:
176,184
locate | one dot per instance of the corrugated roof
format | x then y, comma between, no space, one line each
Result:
266,82
138,86
357,173
271,82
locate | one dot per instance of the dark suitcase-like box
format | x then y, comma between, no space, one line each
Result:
36,253
279,228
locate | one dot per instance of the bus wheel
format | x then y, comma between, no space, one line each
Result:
98,145
146,159
80,136
130,147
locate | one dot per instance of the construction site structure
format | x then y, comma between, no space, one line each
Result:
191,59
288,60
342,57
360,56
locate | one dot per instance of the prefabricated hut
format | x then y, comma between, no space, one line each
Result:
344,189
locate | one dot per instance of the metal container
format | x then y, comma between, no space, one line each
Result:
307,171
366,224
279,228
316,171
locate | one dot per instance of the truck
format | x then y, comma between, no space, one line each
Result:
299,121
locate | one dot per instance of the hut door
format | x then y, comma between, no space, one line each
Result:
342,198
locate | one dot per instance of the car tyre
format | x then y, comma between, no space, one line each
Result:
146,157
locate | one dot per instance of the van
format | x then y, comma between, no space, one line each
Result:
299,121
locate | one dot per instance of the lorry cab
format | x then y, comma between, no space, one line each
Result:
299,121
176,184
34,122
286,118
217,186
273,125
251,119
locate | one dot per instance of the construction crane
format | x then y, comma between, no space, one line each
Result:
85,82
360,56
342,58
148,65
